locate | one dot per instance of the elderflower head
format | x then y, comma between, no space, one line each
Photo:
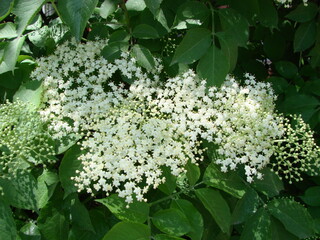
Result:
288,3
246,125
151,125
75,84
24,142
296,151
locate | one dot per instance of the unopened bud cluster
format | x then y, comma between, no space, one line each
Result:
24,141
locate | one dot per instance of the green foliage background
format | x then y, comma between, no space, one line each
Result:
276,44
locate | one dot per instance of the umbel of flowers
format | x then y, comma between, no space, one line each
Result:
24,139
130,132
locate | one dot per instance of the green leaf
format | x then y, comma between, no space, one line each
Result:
303,13
40,36
268,15
293,216
171,221
286,69
46,184
30,92
10,54
76,14
108,7
166,237
246,206
315,56
55,227
229,48
7,225
170,184
26,10
119,36
192,214
153,6
235,25
270,184
274,45
305,36
191,14
20,191
228,182
312,196
80,215
193,173
213,67
135,212
299,104
135,5
68,168
193,46
113,50
217,206
30,231
278,231
5,8
8,30
257,227
145,31
128,231
143,56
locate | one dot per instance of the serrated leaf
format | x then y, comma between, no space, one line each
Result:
193,173
229,47
278,231
171,221
217,206
143,56
55,227
145,31
213,67
153,6
305,36
8,30
68,168
194,217
191,14
228,182
293,216
20,191
286,69
303,13
76,14
10,54
312,196
135,212
299,103
246,206
8,229
108,7
40,36
235,25
270,184
193,46
128,231
25,10
46,183
30,92
119,36
113,50
268,15
257,227
80,215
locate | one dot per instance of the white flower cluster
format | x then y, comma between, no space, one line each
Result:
132,133
288,3
246,125
74,81
24,141
148,128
